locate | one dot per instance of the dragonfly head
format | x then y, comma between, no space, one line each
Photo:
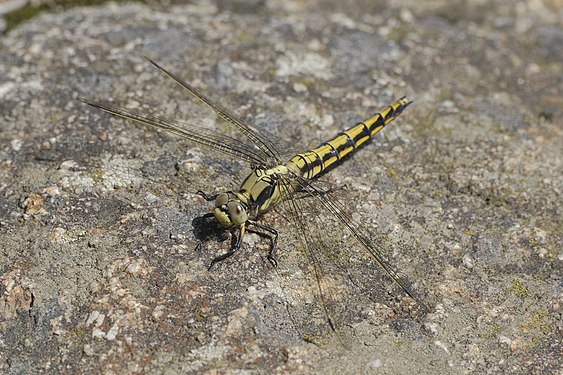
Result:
229,211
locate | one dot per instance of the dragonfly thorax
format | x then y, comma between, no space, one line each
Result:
263,188
258,192
230,211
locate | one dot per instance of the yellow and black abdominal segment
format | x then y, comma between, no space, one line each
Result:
311,163
271,180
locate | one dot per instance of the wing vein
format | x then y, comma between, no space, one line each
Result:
194,133
263,143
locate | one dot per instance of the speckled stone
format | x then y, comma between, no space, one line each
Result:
100,271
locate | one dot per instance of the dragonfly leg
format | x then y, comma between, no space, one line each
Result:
207,197
231,251
272,234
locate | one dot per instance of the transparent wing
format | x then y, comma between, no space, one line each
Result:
313,315
362,236
342,257
203,136
264,142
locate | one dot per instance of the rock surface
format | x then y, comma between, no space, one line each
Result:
99,270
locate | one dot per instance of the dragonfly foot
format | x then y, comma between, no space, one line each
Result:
221,258
273,261
235,246
208,198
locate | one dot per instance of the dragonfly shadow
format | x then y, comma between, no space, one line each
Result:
206,228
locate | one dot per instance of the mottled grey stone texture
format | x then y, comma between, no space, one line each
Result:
99,270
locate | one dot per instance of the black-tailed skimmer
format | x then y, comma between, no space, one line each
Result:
278,181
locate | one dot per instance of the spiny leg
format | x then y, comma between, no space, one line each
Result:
208,198
231,251
272,234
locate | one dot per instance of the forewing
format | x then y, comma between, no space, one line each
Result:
262,140
203,136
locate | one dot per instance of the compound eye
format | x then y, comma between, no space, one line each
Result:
221,199
237,213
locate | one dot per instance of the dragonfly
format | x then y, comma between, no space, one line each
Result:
276,180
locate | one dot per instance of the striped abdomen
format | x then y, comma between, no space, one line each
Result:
317,160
